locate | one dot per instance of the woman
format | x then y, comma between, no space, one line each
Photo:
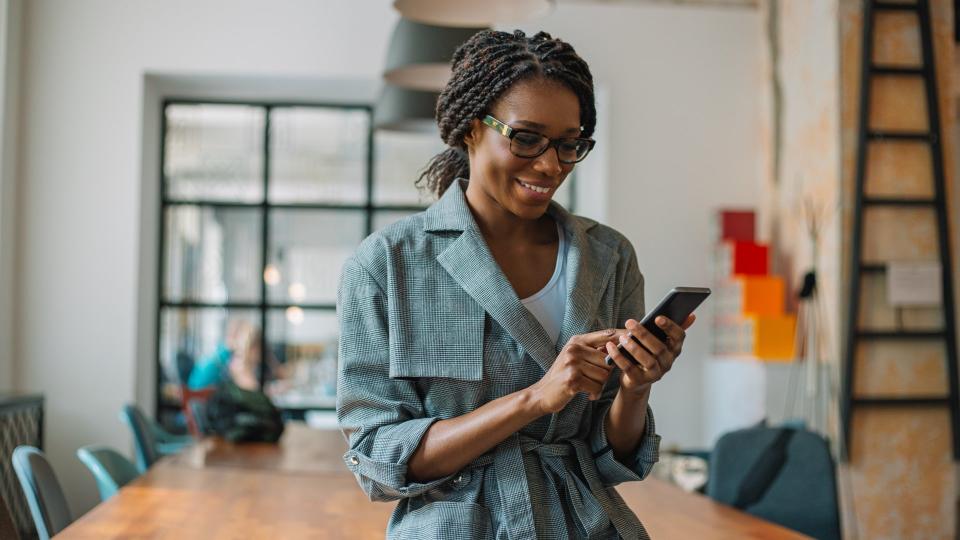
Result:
472,384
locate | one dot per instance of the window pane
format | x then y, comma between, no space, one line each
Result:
307,251
400,158
212,254
303,363
214,152
382,218
201,347
318,155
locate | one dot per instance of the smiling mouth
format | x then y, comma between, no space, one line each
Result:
538,189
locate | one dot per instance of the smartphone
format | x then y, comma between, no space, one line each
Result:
677,305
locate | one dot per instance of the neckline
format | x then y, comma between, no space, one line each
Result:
556,270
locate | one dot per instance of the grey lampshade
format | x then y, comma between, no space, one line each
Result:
419,54
472,13
402,109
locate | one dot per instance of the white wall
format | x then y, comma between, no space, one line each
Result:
683,141
679,141
10,20
84,67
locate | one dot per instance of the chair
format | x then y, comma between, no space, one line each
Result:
150,440
43,493
192,402
783,475
110,469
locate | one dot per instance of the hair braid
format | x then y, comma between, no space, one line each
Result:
485,67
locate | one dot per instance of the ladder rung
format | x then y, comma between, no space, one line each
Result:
877,135
900,334
922,401
891,201
894,6
895,70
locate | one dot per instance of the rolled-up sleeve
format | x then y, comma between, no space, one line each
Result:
382,418
613,471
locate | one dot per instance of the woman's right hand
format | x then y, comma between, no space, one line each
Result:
580,367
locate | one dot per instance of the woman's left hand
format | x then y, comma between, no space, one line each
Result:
655,357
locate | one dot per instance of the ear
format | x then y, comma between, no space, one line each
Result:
475,135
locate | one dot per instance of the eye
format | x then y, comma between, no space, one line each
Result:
526,139
569,146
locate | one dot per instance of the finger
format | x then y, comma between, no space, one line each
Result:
689,322
634,371
638,351
597,373
674,332
595,355
650,342
598,338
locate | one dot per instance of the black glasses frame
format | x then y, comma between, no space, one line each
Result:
509,132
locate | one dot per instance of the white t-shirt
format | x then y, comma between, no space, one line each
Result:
548,304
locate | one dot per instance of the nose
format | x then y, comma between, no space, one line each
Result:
548,162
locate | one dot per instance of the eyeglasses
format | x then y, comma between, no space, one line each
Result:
530,144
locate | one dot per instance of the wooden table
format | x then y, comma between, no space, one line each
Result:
301,489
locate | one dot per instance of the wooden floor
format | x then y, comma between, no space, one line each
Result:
301,489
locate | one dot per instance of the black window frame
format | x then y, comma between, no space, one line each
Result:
369,208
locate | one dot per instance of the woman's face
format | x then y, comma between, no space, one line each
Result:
496,175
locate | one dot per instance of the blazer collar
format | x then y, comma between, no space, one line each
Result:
590,265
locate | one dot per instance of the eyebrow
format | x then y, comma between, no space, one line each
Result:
536,125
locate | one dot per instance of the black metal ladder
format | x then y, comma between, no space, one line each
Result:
938,203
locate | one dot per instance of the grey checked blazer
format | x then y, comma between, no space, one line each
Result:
430,329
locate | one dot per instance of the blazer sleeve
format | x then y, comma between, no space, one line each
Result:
612,471
382,418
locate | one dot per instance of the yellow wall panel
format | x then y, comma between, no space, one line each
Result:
896,39
900,368
899,234
899,169
902,475
898,104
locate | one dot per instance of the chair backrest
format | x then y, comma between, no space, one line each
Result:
7,528
198,412
782,475
110,469
48,506
192,402
144,441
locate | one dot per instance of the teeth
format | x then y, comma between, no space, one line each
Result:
535,188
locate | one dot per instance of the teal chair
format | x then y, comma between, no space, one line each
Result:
43,493
109,468
150,440
784,475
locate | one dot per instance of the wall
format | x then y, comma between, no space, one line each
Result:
901,473
683,84
680,123
801,179
10,20
84,66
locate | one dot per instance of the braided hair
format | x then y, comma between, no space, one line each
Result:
485,67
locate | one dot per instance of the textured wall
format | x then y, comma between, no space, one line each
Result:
901,475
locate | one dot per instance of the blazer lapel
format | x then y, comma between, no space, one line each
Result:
469,262
590,266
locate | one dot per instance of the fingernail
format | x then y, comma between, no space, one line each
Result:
662,321
610,332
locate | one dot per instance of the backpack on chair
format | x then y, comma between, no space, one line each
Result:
240,415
